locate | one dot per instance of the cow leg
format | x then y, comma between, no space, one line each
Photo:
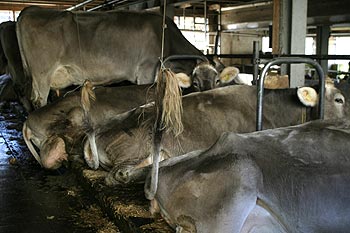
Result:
261,220
39,94
126,174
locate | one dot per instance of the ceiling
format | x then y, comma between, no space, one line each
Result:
242,12
113,4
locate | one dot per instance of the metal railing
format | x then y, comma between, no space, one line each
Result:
288,60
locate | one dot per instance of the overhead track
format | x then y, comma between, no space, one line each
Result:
79,5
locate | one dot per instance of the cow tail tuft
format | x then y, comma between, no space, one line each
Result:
171,115
87,94
168,107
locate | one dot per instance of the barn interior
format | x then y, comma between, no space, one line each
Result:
243,33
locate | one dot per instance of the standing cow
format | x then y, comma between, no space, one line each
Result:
63,48
10,55
294,179
124,146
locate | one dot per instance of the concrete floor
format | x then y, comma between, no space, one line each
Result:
34,200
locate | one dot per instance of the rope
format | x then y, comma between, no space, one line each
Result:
163,34
68,92
79,41
157,135
303,115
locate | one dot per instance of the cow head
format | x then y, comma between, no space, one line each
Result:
206,76
335,104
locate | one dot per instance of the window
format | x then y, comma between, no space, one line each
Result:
193,28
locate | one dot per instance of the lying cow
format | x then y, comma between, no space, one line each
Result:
63,48
64,122
294,179
123,146
10,55
58,128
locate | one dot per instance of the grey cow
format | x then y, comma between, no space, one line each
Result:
10,59
123,146
58,129
294,179
63,48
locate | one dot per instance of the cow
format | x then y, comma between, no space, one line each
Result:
57,129
293,179
63,48
11,56
62,124
3,60
7,92
125,145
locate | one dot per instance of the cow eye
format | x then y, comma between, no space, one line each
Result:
195,84
217,82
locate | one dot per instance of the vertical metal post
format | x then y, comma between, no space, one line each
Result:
218,34
289,60
256,61
205,26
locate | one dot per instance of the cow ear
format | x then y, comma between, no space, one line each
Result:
218,64
183,79
229,74
307,96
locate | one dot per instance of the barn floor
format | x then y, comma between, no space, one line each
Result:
69,200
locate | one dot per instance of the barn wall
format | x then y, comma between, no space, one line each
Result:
233,43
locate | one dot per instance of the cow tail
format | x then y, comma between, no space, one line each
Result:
168,107
27,135
87,94
171,103
90,151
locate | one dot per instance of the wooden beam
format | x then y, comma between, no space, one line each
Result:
276,27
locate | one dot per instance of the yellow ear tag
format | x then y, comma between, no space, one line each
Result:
226,78
307,97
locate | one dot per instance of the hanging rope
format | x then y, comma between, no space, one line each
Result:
158,128
79,41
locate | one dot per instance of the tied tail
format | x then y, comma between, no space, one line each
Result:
171,100
168,106
87,94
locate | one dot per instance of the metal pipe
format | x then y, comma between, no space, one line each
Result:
270,56
289,60
256,61
105,4
185,57
79,5
205,26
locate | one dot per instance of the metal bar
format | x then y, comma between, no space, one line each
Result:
79,5
270,56
256,61
289,60
105,4
185,57
180,57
